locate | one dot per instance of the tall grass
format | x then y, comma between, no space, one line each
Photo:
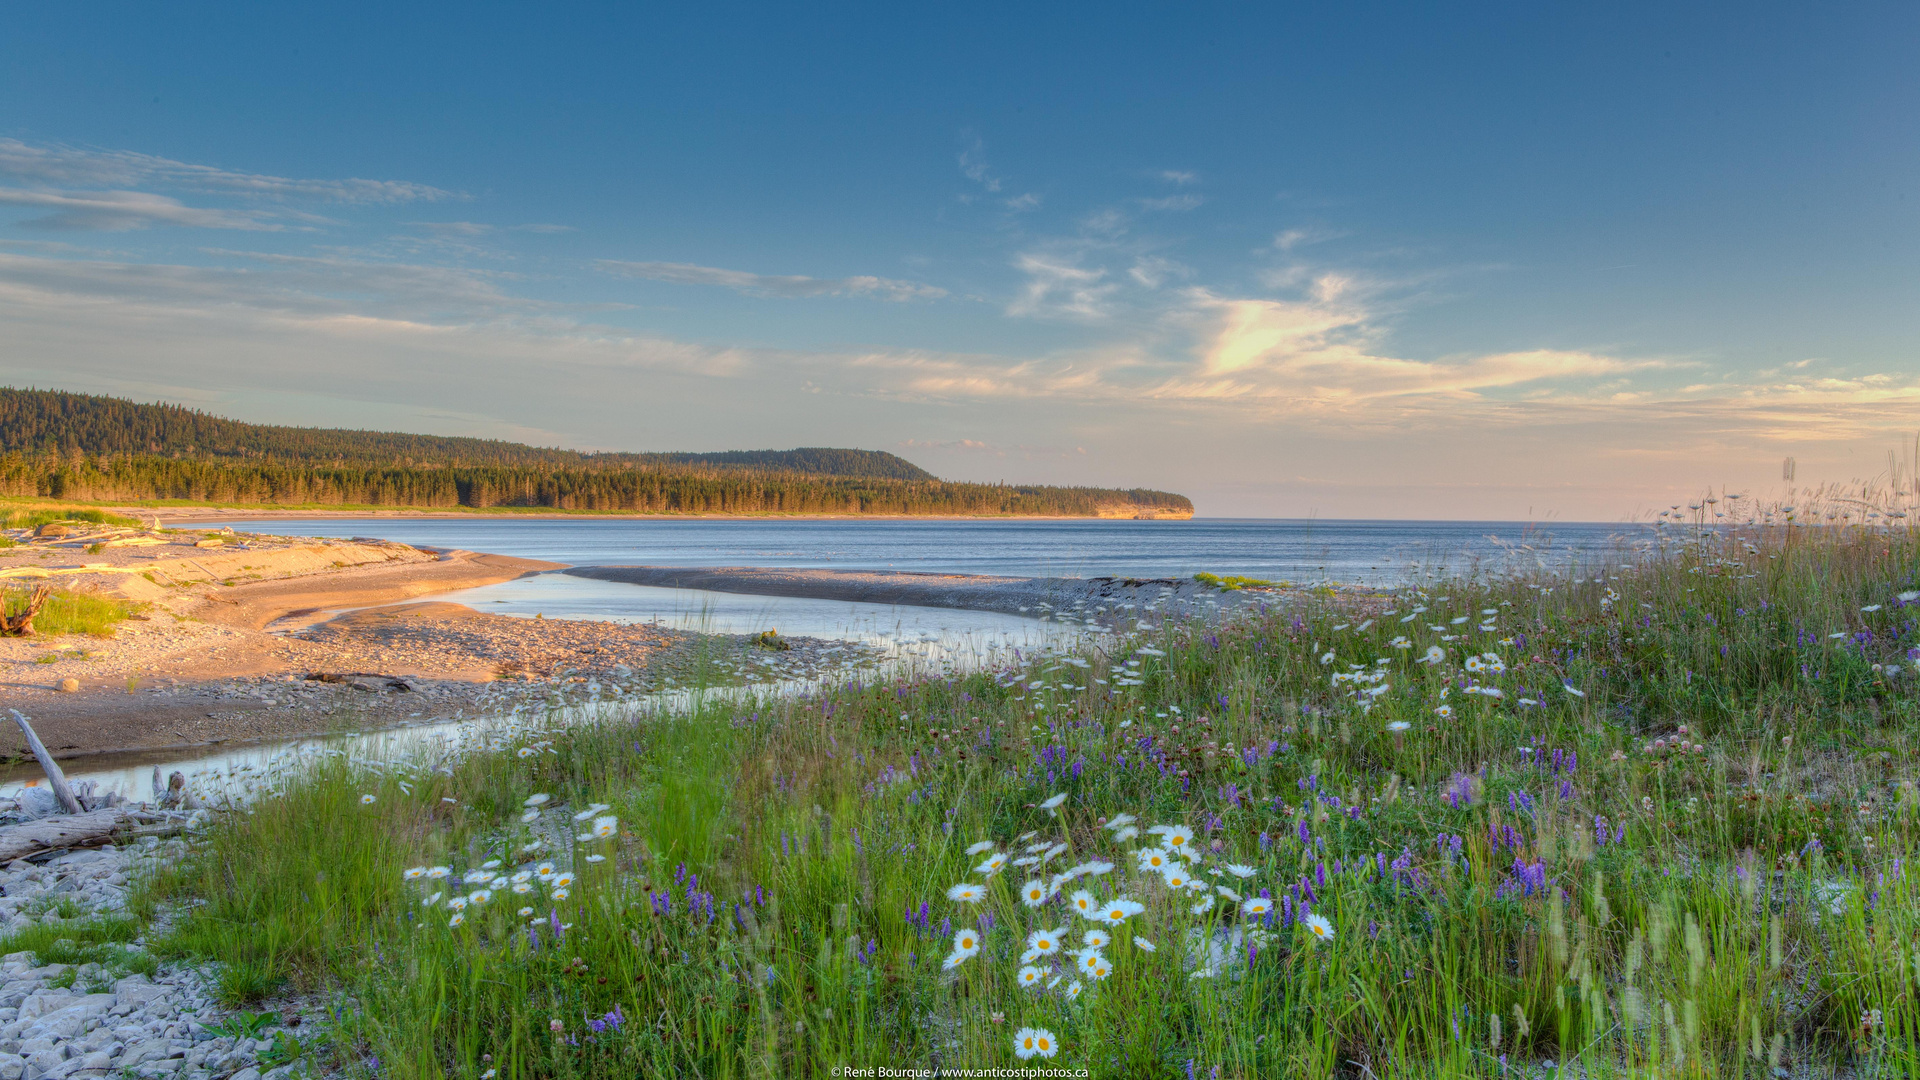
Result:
70,611
1676,842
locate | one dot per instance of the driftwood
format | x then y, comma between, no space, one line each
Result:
73,830
55,778
21,625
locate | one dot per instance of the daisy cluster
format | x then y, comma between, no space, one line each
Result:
525,885
1077,913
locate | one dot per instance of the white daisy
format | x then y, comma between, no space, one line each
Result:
966,893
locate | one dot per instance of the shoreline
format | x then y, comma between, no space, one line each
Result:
200,515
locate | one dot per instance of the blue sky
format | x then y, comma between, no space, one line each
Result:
1369,261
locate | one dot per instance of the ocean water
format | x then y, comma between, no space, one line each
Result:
1354,552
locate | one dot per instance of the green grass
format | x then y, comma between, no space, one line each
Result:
70,612
1232,582
36,516
1552,874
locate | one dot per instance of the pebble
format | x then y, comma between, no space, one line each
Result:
60,1021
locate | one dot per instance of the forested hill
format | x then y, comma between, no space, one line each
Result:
78,446
52,422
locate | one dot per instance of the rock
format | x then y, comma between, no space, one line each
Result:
69,686
248,1073
11,1066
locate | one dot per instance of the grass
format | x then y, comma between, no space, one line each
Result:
70,612
1677,843
34,516
1232,582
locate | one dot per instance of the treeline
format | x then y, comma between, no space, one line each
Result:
52,422
666,490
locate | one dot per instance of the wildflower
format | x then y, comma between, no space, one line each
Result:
1052,852
367,800
537,800
1153,859
992,865
1435,655
1028,1042
1401,642
1074,989
1095,940
1871,607
1175,876
1119,821
1174,837
1126,834
592,809
605,827
1029,976
432,900
479,897
1259,905
561,894
1326,658
1120,911
966,893
530,817
1226,892
439,873
522,888
1034,893
414,873
965,944
1084,903
1053,802
596,858
1143,943
1474,663
1398,726
1319,927
1568,687
1202,906
524,912
984,845
457,920
1091,961
544,871
1444,712
456,902
1043,942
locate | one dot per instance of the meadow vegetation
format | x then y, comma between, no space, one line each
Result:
1652,817
70,611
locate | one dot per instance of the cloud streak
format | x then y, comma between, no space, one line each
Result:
790,286
64,166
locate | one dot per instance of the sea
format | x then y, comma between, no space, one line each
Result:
1380,553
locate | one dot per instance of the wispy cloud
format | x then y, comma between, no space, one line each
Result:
793,286
68,166
1057,287
1289,239
120,211
1174,202
1179,176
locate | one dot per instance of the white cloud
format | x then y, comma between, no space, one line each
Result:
1179,176
1289,239
783,285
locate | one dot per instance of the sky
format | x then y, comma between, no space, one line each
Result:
1515,262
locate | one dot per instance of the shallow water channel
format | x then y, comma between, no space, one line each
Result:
911,640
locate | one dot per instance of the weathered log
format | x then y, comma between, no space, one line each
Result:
62,830
56,779
21,625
